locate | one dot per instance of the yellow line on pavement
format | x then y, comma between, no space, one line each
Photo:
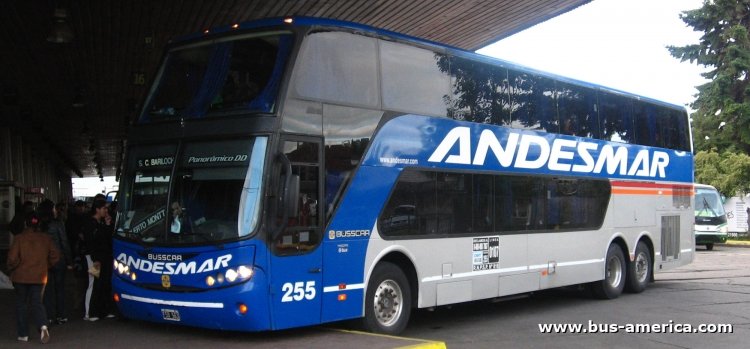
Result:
429,345
426,344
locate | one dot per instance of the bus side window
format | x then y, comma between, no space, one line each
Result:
533,102
645,124
616,118
577,109
347,133
482,207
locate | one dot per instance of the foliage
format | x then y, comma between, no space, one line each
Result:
729,172
722,117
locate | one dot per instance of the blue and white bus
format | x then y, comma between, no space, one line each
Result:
291,172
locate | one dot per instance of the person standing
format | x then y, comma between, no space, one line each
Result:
76,218
97,236
54,297
30,256
17,224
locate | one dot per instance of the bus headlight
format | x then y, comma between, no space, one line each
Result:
245,272
231,275
123,270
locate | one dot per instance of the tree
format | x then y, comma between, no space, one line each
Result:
728,172
722,117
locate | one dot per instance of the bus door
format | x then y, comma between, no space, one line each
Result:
296,261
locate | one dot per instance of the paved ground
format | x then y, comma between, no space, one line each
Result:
712,290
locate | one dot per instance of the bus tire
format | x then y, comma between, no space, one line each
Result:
614,275
388,300
640,269
710,247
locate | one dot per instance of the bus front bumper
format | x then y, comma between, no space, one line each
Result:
237,308
703,238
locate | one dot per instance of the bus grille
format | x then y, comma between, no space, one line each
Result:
670,237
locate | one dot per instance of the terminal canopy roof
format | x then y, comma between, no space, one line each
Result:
77,98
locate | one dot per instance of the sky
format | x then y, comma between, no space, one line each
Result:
90,186
619,44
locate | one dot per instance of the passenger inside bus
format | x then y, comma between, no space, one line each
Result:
176,225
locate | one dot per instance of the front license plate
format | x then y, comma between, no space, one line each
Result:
170,314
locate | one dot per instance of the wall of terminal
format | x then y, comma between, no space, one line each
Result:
27,173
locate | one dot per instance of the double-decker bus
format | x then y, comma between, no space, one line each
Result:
291,172
710,219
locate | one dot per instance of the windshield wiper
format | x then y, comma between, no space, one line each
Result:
707,207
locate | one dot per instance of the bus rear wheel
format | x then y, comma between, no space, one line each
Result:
388,300
639,273
614,275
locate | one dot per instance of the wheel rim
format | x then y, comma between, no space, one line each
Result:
389,302
641,267
614,271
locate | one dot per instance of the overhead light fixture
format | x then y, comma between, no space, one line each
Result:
61,32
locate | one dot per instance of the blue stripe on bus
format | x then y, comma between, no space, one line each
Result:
413,140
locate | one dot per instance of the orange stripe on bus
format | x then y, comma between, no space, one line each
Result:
651,185
630,191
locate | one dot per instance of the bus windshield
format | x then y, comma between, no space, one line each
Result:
207,193
708,207
235,75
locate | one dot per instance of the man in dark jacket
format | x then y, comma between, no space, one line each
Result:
33,252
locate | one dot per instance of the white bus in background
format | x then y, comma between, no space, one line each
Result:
710,218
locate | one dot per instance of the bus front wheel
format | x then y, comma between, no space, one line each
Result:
639,273
388,300
614,275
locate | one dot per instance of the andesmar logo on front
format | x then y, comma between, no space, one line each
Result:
160,266
558,156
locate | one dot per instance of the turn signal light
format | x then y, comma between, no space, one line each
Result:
242,308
